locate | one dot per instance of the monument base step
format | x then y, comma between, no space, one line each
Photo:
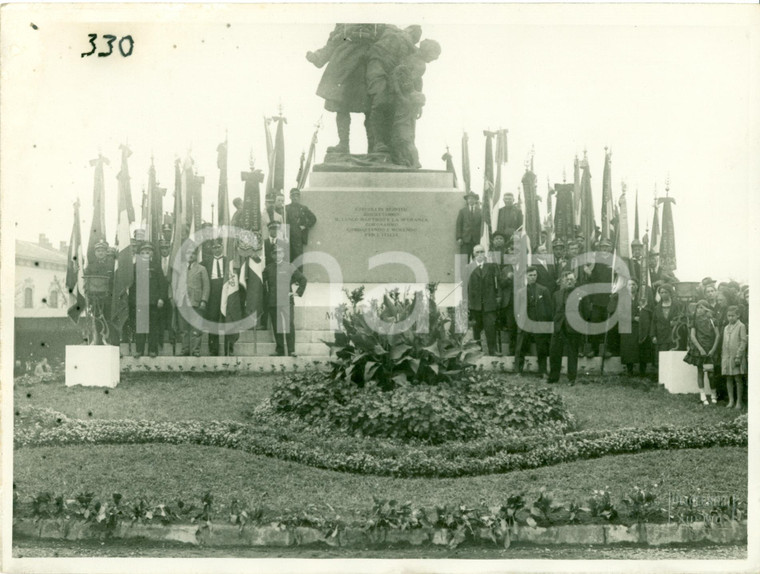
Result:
267,364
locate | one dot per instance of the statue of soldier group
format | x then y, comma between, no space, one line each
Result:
377,70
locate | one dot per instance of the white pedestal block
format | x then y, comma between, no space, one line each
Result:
677,376
92,365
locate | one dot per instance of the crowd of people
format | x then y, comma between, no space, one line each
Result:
710,321
211,275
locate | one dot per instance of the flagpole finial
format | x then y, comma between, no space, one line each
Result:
667,186
250,160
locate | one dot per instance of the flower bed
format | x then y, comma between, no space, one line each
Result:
473,406
332,451
542,520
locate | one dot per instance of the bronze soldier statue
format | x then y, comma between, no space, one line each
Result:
343,85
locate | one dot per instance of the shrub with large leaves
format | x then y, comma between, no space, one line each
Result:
402,339
472,406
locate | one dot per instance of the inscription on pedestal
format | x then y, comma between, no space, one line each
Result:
382,222
353,227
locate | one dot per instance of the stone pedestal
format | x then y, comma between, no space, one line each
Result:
677,376
92,365
404,219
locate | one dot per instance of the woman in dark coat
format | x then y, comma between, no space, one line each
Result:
663,318
636,346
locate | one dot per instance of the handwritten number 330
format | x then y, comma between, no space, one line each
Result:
126,45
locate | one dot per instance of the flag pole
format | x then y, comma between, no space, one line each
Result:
612,284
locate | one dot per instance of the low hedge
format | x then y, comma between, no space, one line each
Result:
386,458
473,406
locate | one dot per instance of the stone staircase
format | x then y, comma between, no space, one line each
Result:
257,344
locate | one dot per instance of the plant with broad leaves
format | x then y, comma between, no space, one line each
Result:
642,505
544,509
575,511
402,339
601,506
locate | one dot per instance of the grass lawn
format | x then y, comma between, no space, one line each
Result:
168,472
154,396
164,396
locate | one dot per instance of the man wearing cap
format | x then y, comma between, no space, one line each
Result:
539,308
166,312
272,241
150,303
198,291
275,211
560,265
103,266
280,274
635,263
510,217
483,294
299,219
597,304
469,222
498,246
217,268
564,335
505,313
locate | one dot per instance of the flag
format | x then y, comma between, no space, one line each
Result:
278,167
654,244
466,162
155,209
576,192
178,233
636,219
251,280
668,237
532,225
608,205
223,202
587,221
450,166
306,167
250,218
75,270
98,225
123,272
644,270
251,286
564,217
485,229
501,159
623,246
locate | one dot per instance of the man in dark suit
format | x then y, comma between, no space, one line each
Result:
274,239
545,273
469,222
601,272
483,298
299,219
539,308
166,314
563,334
510,217
217,269
156,298
281,304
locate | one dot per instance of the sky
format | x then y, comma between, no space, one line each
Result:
667,89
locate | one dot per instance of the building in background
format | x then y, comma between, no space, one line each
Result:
42,328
